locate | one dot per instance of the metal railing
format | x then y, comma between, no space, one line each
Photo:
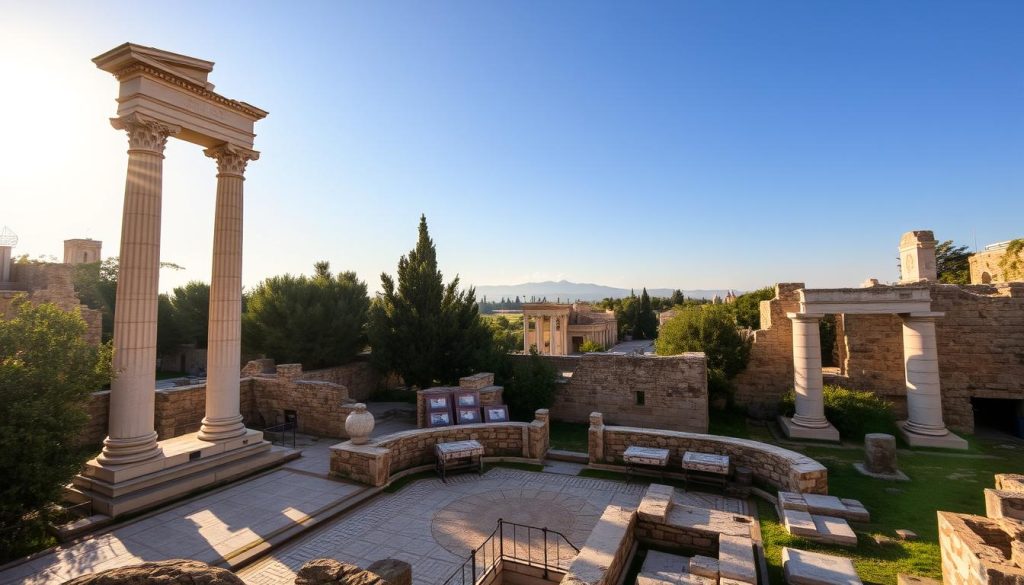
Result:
280,434
529,545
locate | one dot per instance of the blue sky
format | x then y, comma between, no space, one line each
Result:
681,144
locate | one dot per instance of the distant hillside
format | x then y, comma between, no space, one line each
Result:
572,291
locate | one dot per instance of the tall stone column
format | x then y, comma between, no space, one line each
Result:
556,337
131,436
810,399
921,360
809,421
223,420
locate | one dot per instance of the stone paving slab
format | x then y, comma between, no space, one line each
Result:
416,523
808,568
205,529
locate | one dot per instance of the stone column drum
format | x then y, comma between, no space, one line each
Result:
223,420
880,453
810,399
131,435
921,358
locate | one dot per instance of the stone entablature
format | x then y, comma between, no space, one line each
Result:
781,468
385,458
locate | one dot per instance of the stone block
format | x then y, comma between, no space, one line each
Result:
736,559
704,566
799,523
880,453
808,568
834,531
394,571
1004,504
904,579
906,534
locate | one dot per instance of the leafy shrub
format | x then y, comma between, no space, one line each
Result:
590,346
854,413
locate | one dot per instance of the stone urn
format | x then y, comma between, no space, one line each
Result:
359,424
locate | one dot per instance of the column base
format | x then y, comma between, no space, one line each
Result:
124,451
185,464
221,429
946,441
795,431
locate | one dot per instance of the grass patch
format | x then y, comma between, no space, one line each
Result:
939,481
570,436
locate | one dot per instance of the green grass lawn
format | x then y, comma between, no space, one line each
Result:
947,481
569,436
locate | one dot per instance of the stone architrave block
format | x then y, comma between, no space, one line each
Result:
736,559
808,568
792,501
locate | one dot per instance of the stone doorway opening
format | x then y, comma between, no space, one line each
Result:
576,343
999,414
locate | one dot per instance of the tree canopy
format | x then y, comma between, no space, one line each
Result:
47,372
710,329
422,329
747,307
646,324
952,263
318,321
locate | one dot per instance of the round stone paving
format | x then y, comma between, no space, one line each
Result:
466,523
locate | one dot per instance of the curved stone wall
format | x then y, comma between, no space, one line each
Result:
376,462
781,468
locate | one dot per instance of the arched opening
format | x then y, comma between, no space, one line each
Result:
986,278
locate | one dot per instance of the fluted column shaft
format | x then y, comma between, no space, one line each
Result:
921,360
224,347
526,334
131,436
807,380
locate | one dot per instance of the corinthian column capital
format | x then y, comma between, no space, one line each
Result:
231,159
145,133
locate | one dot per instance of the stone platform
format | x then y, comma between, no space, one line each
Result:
184,465
795,431
947,441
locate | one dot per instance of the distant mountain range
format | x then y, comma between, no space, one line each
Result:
577,291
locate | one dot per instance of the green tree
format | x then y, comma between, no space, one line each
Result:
646,326
96,286
422,329
318,321
710,329
952,264
47,372
1012,262
591,346
747,307
532,386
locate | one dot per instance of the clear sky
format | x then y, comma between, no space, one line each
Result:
682,144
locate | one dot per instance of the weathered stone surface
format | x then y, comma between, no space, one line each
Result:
602,559
807,568
736,559
704,566
904,579
834,531
799,523
330,571
880,453
171,572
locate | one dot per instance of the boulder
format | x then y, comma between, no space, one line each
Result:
172,572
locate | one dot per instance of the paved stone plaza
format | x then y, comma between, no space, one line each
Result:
425,522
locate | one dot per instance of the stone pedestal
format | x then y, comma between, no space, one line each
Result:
880,458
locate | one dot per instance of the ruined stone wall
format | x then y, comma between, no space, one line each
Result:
383,457
358,376
51,283
985,268
98,409
769,372
772,465
321,407
675,390
870,352
986,550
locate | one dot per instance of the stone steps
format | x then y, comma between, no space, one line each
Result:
570,456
